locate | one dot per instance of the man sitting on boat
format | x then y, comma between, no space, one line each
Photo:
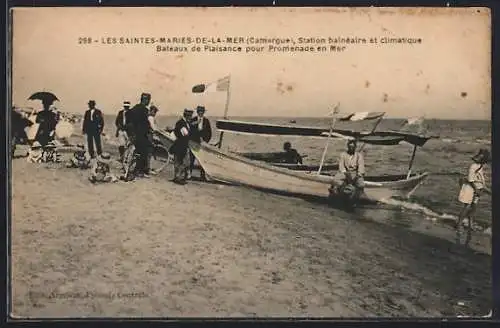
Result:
351,168
291,155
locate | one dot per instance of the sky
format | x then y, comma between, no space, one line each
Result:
446,76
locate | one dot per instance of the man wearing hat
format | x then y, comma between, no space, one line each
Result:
201,130
138,130
121,129
180,147
351,168
93,125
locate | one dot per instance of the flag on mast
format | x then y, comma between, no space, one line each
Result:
414,121
216,86
360,116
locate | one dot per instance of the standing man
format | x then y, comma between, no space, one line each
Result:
121,129
201,131
180,147
93,125
137,119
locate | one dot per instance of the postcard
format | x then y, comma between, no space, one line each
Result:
250,162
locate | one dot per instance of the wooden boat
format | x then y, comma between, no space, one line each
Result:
307,167
223,166
232,168
277,159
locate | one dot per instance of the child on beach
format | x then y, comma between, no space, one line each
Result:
101,171
471,188
79,160
35,154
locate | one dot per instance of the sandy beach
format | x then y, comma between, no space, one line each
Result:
150,248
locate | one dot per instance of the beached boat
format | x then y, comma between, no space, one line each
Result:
230,168
278,159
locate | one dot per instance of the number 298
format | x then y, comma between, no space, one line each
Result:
84,40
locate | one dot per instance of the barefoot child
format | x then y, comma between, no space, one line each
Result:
472,187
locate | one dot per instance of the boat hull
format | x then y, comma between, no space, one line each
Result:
233,169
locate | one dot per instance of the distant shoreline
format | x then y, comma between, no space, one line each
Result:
249,118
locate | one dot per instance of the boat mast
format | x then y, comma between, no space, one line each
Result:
373,130
334,119
411,161
228,96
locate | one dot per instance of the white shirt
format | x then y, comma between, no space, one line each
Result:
200,123
352,163
92,114
152,122
476,176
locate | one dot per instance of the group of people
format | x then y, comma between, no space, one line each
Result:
43,146
136,125
189,128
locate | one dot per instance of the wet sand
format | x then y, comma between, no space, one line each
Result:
151,248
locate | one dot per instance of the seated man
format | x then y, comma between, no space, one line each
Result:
291,155
351,168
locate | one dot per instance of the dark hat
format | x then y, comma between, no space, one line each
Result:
482,156
145,95
200,109
352,141
188,111
91,102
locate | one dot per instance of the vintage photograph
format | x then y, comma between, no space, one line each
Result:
250,162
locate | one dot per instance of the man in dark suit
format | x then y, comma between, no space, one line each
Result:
121,129
139,127
93,125
201,130
180,147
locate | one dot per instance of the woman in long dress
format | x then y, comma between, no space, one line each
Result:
469,195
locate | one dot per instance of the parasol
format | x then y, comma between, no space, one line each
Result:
47,98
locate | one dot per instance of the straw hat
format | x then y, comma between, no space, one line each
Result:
105,157
36,145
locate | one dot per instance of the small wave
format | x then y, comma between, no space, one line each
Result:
449,140
483,141
430,215
467,141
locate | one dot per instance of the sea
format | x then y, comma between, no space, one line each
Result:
446,158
